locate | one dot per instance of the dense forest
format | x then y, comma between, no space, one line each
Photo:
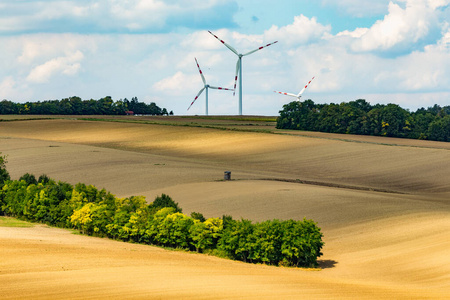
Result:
76,106
359,117
99,213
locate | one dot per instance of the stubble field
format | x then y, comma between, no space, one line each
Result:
382,204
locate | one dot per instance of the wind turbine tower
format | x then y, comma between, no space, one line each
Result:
206,87
239,66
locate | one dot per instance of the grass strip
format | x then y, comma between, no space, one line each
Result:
12,222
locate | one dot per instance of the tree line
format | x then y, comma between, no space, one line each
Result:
99,213
359,117
77,106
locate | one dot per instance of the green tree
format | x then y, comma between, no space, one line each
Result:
173,231
44,179
119,225
101,217
29,178
91,219
237,240
105,106
354,117
59,195
97,212
301,243
9,108
152,226
298,115
289,116
439,130
14,195
138,223
268,236
204,235
422,119
164,201
82,218
36,204
198,216
77,199
394,121
4,175
329,118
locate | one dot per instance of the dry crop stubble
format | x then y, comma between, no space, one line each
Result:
378,245
398,168
57,264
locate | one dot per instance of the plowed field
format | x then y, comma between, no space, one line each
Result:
383,206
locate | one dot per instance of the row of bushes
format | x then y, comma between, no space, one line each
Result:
99,213
77,106
360,117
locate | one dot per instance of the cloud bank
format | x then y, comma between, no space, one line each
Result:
114,16
147,49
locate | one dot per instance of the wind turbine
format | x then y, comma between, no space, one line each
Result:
205,87
239,67
299,95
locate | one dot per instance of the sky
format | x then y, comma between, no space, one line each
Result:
394,51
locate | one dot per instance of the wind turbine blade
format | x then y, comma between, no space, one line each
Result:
259,48
199,93
236,76
301,92
226,45
201,74
220,88
284,93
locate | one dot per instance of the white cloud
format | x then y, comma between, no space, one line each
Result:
177,84
136,14
161,68
11,89
444,42
357,33
401,28
114,15
7,87
302,31
34,49
434,4
67,65
203,41
345,73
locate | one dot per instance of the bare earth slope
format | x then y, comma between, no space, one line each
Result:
382,204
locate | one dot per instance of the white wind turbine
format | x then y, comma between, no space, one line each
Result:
239,67
299,95
205,87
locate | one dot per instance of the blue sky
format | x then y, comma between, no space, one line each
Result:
383,51
253,16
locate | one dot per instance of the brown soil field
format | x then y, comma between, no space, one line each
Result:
383,206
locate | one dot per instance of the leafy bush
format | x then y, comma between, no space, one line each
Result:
205,235
165,201
4,175
76,106
98,212
359,117
288,243
198,216
29,178
173,231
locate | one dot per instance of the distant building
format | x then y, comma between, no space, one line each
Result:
129,113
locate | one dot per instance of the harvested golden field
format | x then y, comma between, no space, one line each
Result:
383,206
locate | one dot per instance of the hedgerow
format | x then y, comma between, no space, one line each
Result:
99,213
